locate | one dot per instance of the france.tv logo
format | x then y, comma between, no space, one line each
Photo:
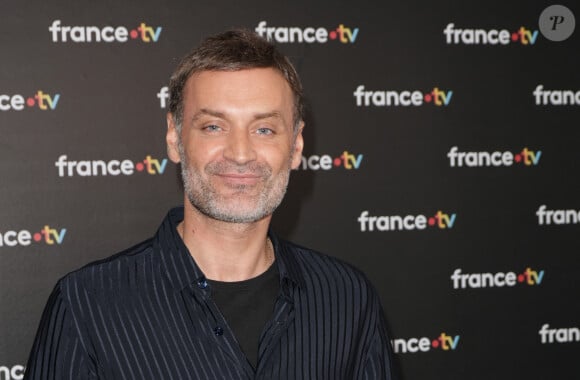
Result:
346,160
40,100
405,98
443,342
528,277
309,34
46,235
97,168
525,157
440,220
107,34
471,36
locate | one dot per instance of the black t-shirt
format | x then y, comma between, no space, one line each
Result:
247,306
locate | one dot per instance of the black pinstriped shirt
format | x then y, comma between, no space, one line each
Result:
146,313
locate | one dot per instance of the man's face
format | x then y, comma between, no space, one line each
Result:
237,144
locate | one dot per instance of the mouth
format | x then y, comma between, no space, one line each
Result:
238,179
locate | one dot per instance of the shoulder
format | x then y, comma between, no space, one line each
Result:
321,268
115,272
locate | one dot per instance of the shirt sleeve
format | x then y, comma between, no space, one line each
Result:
379,362
57,352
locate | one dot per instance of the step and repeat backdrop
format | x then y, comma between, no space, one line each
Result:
441,158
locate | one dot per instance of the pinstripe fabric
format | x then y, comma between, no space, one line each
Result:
146,313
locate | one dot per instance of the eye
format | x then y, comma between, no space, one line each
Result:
264,131
212,128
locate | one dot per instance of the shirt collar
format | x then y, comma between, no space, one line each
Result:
182,270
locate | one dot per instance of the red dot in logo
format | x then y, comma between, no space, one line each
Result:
517,157
134,34
30,102
332,35
431,221
139,166
515,37
435,343
37,236
521,278
337,161
427,98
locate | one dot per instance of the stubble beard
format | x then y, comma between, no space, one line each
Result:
240,206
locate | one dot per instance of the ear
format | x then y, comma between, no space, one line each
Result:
172,139
298,146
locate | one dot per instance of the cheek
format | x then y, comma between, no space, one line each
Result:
200,152
279,158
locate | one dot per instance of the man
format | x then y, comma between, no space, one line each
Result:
215,295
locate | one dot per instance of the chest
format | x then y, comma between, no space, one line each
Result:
183,335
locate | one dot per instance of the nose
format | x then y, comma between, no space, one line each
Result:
240,148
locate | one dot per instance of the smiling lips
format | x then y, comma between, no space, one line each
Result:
239,175
239,178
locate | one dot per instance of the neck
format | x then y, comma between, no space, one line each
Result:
226,251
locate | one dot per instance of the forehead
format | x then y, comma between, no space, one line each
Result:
259,87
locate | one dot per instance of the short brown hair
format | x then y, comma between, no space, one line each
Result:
233,50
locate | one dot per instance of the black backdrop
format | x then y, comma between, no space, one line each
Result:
401,180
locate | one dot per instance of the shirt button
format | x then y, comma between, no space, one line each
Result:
202,283
218,331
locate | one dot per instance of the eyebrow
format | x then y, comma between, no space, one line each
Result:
268,115
222,115
205,111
